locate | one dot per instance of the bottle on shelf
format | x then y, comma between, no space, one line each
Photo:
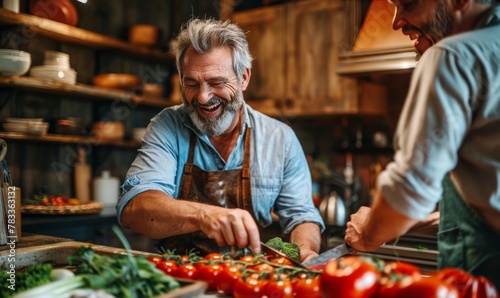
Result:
353,189
345,138
82,177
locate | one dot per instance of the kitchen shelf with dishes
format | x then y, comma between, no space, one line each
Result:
70,34
69,139
87,92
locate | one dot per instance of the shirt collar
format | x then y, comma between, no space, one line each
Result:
490,18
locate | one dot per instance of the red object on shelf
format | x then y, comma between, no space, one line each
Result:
62,11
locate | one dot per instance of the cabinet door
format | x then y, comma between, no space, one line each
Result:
265,28
315,35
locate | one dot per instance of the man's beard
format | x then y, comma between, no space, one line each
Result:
215,126
441,25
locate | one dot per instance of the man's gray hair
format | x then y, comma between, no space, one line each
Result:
205,34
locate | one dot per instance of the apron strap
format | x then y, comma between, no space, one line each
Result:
246,187
188,169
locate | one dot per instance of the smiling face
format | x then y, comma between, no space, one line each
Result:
425,21
211,91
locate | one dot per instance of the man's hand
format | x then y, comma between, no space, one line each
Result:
231,227
355,228
370,228
307,254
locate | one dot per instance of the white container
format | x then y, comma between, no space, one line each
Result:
106,189
12,5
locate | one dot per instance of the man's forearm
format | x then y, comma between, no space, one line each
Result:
384,224
307,235
148,212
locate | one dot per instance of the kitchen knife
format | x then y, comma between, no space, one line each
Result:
336,252
270,251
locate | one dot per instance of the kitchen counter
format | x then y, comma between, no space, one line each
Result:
36,249
92,228
30,240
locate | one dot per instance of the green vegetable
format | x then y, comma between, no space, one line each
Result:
32,276
119,275
290,249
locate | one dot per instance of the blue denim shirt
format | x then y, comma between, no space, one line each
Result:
280,176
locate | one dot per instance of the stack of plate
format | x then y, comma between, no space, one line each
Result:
34,126
56,67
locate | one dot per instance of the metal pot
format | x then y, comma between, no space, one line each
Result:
333,210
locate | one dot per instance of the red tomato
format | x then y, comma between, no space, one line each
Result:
308,288
455,277
227,278
247,259
251,288
154,259
184,258
168,266
401,269
480,287
261,267
208,273
187,271
350,276
396,276
298,277
213,256
279,289
281,261
430,287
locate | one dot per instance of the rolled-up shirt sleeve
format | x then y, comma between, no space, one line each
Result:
154,167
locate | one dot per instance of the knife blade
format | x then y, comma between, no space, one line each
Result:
270,251
333,253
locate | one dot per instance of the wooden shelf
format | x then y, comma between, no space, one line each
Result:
69,139
74,35
88,92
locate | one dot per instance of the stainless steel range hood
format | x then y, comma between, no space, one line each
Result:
377,47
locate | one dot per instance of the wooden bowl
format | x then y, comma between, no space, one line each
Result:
108,130
62,11
144,35
120,81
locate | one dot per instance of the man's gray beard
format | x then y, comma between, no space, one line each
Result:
440,26
221,124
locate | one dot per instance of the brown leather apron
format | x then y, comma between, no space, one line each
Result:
230,189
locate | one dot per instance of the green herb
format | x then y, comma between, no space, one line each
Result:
290,249
120,275
32,276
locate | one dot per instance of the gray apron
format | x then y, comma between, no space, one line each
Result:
464,240
230,189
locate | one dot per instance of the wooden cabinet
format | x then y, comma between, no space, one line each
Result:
296,49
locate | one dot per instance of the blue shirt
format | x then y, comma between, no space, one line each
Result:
280,176
451,124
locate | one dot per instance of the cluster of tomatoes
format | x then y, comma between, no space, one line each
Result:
52,200
352,276
358,277
249,276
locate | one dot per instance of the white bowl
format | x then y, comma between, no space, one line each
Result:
10,52
14,63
